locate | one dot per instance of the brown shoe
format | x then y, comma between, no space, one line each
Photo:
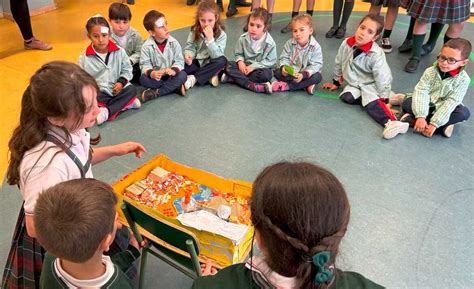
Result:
181,90
37,44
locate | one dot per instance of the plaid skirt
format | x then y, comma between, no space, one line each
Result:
384,3
440,11
25,260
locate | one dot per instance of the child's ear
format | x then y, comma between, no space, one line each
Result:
56,121
105,244
464,62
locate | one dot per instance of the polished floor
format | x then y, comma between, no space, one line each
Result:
411,197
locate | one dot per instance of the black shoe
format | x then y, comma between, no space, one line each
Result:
341,31
406,46
412,65
409,118
242,3
426,49
148,94
190,2
231,11
332,32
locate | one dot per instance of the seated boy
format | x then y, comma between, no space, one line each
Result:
436,103
76,222
361,63
125,36
161,60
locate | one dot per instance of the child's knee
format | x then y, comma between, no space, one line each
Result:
347,97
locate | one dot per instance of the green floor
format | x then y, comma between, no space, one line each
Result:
412,197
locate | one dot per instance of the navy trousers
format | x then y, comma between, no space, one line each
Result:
166,85
116,103
260,75
313,79
377,109
203,74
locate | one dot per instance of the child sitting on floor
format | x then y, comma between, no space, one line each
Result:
361,63
436,103
300,212
76,221
254,55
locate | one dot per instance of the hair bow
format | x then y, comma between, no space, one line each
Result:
320,260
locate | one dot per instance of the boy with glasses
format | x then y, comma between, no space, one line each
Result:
436,103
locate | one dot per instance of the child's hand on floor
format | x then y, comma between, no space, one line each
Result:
117,88
208,268
188,59
329,86
298,77
170,71
420,125
429,130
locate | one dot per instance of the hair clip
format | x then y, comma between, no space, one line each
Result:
320,260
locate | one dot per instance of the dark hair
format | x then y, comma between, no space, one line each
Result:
119,11
72,218
150,18
55,90
299,209
96,20
207,6
305,18
461,44
377,19
260,13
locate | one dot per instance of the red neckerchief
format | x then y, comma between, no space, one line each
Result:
365,48
161,46
454,72
111,47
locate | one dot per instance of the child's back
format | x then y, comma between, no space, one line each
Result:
300,212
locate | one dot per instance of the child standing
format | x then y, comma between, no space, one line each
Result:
361,63
436,104
300,212
111,68
301,59
125,36
338,29
204,51
66,222
254,55
50,146
161,60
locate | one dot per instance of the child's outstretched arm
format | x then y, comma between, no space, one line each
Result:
101,154
338,78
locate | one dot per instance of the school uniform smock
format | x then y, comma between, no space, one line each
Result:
306,60
115,67
131,42
153,58
243,276
364,69
444,94
202,50
263,55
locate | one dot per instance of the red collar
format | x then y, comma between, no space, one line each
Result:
365,48
112,47
455,72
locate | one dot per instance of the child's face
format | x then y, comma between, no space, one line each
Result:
99,35
92,110
120,27
452,55
301,32
366,32
207,18
256,28
160,30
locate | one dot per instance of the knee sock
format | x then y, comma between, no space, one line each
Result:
434,33
446,38
386,33
417,45
256,87
410,29
346,13
310,12
336,10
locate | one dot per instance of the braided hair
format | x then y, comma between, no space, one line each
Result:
299,209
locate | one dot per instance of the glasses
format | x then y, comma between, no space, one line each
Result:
450,60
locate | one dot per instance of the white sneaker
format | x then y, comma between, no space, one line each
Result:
396,98
223,78
393,128
190,82
386,45
103,115
448,131
135,104
214,81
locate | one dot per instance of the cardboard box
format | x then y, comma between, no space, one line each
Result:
222,250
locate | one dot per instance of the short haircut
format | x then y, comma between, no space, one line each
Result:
119,11
260,13
150,19
461,44
306,19
377,19
72,218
